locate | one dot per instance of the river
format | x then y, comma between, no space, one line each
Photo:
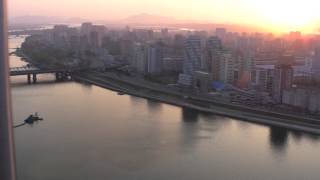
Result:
93,133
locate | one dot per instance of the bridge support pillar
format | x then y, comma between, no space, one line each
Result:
29,78
65,76
58,76
61,76
34,78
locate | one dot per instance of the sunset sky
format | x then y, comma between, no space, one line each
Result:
278,15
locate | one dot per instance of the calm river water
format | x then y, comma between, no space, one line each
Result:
90,133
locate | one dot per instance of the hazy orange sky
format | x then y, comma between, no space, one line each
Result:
281,15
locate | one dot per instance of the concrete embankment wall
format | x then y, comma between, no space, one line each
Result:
252,115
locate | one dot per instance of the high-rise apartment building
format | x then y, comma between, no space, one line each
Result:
226,68
213,56
193,55
155,56
86,28
283,77
193,59
92,34
316,60
221,33
220,61
140,58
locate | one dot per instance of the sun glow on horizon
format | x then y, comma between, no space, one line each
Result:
273,15
286,15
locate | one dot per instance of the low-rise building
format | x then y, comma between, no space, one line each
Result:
202,81
185,80
305,99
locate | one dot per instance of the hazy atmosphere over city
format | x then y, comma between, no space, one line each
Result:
273,15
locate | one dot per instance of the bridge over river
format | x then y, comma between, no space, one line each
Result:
31,72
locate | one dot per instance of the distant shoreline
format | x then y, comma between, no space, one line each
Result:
289,121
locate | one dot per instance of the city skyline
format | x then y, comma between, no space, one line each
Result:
275,16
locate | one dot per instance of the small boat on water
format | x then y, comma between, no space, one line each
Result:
30,120
33,118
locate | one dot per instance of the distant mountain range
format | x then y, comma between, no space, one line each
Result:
148,19
136,20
